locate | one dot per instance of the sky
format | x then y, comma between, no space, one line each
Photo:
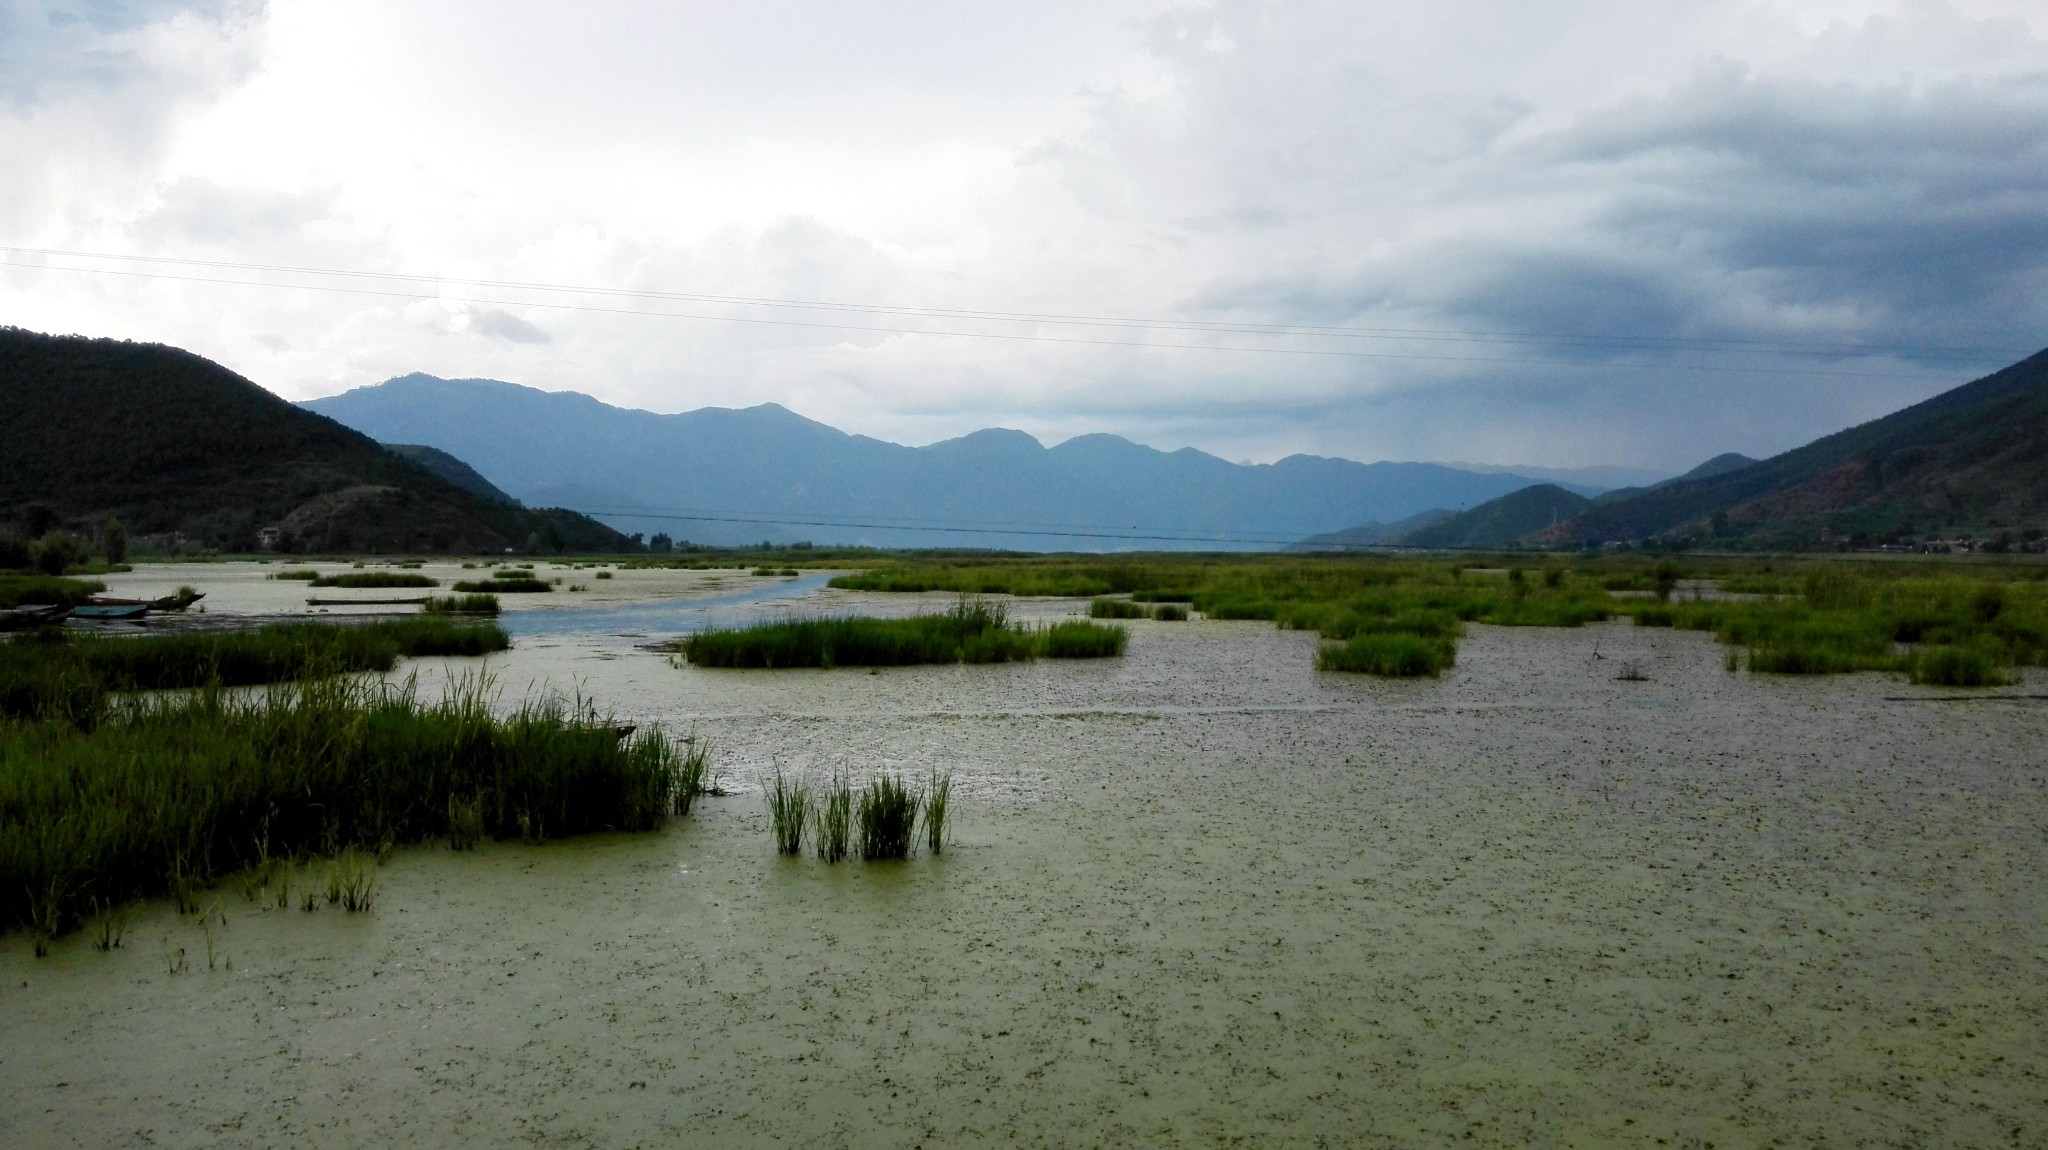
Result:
1571,234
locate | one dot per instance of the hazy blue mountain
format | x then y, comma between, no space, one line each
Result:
720,475
1500,522
1719,465
1373,534
1571,478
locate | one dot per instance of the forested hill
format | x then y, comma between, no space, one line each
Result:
1972,461
170,443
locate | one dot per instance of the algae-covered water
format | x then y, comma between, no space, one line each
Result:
1200,895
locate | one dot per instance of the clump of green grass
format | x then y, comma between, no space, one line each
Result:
505,583
833,830
376,579
471,604
302,574
693,771
938,801
789,811
165,794
63,675
886,816
1074,639
51,590
1957,667
352,880
1115,609
973,631
604,574
1394,654
1170,613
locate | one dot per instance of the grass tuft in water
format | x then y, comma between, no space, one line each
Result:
833,835
1957,667
476,604
1394,654
1115,609
973,631
375,579
938,799
789,811
352,880
886,816
168,794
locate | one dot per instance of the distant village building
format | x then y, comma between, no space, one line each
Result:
269,538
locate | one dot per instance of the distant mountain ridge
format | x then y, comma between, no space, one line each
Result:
1500,522
1972,460
172,444
722,475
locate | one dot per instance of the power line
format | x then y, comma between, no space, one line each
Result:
1434,335
1007,336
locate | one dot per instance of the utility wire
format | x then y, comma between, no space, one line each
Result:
1434,335
1010,336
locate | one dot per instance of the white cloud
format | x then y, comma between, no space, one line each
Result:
1764,172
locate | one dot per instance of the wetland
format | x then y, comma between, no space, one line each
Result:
1585,885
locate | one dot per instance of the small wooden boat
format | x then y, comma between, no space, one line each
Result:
178,602
365,602
110,612
32,615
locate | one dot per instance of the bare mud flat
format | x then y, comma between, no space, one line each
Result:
1199,896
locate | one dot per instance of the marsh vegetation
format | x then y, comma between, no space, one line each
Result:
881,820
364,579
162,795
1939,624
972,631
56,673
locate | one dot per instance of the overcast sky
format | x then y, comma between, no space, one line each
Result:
1568,234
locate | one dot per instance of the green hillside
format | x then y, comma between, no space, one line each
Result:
185,452
1501,522
1969,462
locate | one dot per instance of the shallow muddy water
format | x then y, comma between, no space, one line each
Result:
1200,895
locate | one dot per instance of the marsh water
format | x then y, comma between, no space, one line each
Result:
1199,895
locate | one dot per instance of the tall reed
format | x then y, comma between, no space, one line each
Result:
789,811
833,837
938,801
162,795
886,815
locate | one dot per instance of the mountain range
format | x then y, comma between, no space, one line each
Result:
1967,468
180,448
730,476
